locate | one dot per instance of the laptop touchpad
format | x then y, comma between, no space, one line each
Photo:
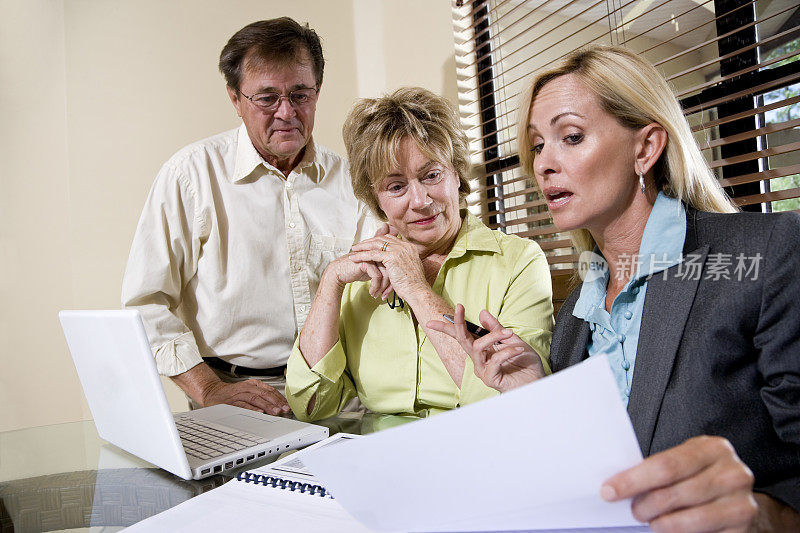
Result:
251,424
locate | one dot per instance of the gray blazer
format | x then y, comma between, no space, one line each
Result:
718,356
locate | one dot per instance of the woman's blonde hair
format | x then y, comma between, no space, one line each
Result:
629,88
375,128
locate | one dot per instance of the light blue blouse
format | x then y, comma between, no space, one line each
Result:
616,334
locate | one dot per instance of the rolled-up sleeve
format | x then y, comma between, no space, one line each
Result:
163,258
328,380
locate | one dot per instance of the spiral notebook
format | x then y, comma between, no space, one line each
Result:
281,496
291,474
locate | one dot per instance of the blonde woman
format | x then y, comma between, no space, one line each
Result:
697,308
366,333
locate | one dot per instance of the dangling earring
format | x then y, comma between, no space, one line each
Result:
641,182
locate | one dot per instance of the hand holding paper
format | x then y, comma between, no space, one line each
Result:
533,458
700,485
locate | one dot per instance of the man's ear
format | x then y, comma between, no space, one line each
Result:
650,143
233,94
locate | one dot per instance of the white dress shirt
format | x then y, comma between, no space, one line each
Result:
228,252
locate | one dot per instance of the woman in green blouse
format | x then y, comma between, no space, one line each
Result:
366,333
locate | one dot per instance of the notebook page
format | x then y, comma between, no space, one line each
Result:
243,507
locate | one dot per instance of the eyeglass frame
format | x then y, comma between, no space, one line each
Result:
281,96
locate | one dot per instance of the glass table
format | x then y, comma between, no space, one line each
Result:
65,477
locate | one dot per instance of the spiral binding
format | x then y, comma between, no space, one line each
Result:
284,484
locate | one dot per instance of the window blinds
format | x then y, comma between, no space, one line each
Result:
733,64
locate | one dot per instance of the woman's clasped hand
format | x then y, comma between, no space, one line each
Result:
398,263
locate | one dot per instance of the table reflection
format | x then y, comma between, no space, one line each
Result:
65,476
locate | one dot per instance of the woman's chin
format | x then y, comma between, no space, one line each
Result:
566,223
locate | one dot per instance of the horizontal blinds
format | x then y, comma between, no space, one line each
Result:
734,65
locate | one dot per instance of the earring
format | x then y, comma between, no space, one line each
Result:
641,182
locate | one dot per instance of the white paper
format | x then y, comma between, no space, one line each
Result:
532,458
292,467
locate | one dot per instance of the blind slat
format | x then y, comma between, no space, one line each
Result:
767,152
733,75
770,128
558,259
780,82
768,197
744,114
760,176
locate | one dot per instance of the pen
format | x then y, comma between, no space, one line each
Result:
472,328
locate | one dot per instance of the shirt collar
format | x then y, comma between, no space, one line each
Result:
474,236
661,248
248,159
662,240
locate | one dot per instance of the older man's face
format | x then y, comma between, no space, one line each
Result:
279,135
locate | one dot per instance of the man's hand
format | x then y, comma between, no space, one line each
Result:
251,394
204,387
501,359
700,485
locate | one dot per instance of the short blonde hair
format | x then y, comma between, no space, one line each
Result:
630,89
375,128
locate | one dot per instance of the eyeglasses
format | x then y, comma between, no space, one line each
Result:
271,101
396,301
395,188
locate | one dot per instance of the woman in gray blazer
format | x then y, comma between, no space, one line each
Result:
696,307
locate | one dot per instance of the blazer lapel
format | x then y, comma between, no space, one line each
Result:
669,298
570,338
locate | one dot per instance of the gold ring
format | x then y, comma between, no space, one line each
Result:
384,246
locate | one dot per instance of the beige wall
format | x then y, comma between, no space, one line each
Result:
95,96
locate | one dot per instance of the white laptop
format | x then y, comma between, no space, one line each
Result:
119,377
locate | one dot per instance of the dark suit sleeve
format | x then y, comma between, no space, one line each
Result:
778,340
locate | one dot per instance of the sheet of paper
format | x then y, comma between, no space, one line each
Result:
533,458
292,466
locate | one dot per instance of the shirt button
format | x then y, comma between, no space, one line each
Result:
626,366
635,291
298,267
628,315
288,184
621,337
291,224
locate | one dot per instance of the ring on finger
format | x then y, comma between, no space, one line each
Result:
384,246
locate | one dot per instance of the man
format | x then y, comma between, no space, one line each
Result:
238,228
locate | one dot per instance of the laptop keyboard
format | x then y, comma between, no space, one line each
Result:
206,440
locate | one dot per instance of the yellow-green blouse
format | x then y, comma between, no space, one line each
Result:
386,359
